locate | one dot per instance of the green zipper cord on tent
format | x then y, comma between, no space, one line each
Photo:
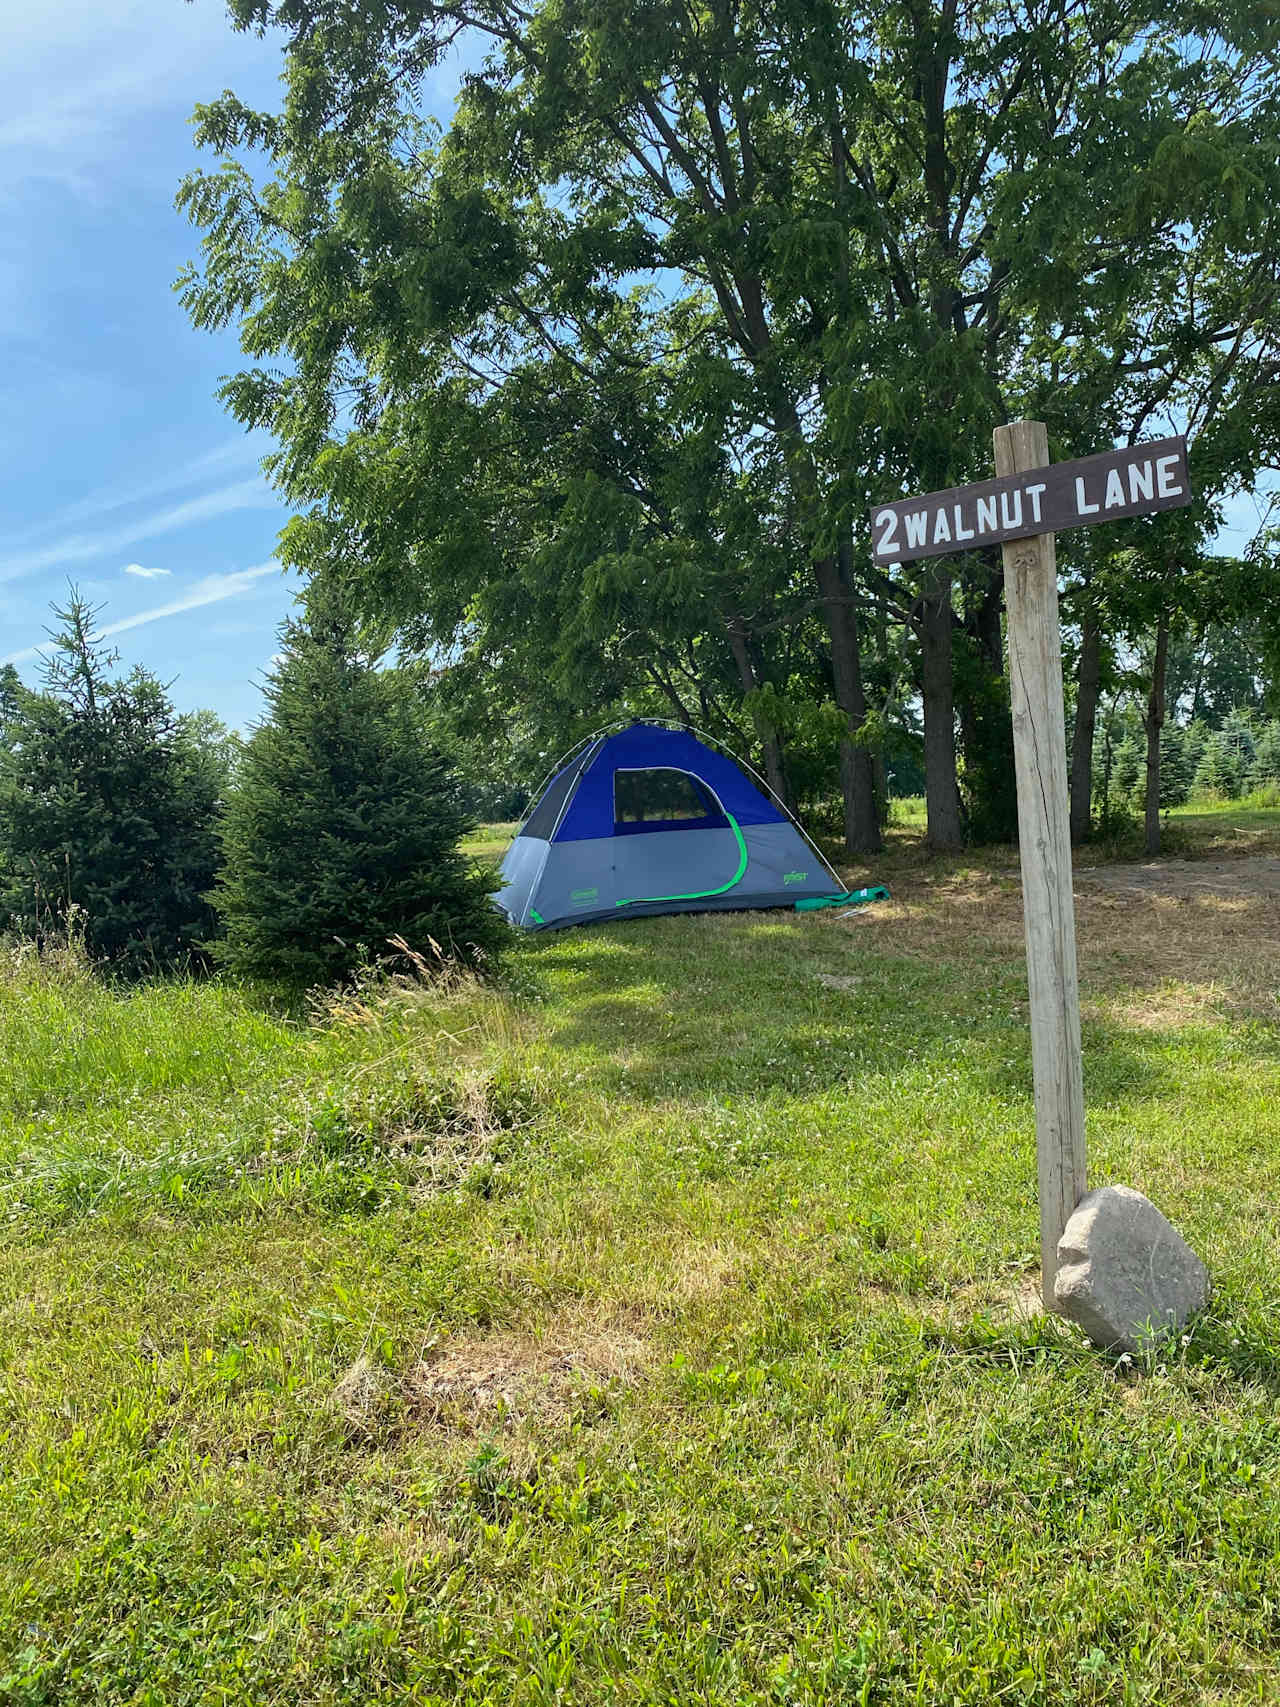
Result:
701,894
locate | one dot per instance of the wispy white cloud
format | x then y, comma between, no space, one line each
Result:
85,547
145,574
236,456
210,590
79,80
54,120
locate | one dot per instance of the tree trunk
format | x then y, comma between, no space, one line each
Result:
942,792
880,782
1155,722
1108,762
984,624
989,796
677,704
861,823
1088,682
1202,661
746,657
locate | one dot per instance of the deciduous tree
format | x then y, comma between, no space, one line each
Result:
834,242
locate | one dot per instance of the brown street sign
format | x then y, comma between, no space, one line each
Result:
1106,488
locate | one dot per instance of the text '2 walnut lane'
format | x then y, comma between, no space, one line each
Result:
1136,481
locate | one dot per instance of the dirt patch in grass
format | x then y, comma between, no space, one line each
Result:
468,1384
357,1394
839,980
1169,943
933,916
1179,945
706,1272
1168,1007
1250,878
1012,1300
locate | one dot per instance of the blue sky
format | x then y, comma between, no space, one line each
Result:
118,467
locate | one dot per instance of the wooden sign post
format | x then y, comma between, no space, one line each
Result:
1020,510
1044,843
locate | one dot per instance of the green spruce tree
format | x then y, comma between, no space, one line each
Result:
1195,740
1128,767
343,828
1175,774
109,802
1266,758
1220,773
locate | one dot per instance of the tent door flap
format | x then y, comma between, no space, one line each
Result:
692,893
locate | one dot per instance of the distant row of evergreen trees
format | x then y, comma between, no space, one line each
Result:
1239,757
293,856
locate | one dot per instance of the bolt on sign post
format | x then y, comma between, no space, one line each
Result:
1020,510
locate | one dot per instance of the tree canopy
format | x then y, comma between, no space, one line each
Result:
593,391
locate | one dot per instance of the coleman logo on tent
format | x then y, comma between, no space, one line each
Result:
796,877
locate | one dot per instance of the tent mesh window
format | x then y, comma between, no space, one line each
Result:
662,799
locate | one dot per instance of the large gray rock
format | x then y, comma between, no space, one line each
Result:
1125,1274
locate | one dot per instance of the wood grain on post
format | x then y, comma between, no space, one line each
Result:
1044,836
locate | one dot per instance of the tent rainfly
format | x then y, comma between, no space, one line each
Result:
651,820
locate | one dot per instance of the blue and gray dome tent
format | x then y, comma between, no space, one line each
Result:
649,819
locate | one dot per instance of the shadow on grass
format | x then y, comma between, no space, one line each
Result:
654,1021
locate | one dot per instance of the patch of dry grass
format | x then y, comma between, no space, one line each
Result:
1150,945
469,1384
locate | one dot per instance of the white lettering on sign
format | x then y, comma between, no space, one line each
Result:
1141,482
916,523
1083,506
1165,483
1104,488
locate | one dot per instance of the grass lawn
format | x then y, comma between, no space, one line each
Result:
491,841
1225,828
654,1331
